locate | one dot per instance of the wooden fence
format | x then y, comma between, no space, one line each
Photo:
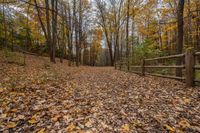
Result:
188,64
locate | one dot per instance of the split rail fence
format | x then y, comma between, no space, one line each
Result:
188,64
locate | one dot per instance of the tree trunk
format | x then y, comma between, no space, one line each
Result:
197,42
63,37
5,26
54,4
48,39
180,35
127,33
80,32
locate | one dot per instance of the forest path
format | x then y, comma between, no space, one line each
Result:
57,98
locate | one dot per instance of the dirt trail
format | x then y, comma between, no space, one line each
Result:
57,98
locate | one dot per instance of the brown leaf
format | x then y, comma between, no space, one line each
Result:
41,130
56,118
71,127
184,123
13,110
1,90
3,116
11,125
32,121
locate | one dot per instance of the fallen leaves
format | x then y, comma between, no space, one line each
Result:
71,127
13,110
169,128
20,117
125,128
89,123
186,100
56,118
41,130
11,125
90,100
1,90
2,116
184,123
33,120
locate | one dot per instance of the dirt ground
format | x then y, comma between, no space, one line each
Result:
44,97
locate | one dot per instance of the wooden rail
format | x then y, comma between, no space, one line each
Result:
166,76
197,53
166,57
182,66
187,58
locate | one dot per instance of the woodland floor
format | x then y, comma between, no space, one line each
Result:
43,97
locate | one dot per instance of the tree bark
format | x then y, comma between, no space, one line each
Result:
54,5
48,40
127,33
179,48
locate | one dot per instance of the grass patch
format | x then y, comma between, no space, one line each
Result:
12,57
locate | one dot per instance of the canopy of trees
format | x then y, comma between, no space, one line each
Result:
84,30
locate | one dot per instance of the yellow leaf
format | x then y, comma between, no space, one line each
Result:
186,100
1,90
13,110
3,116
184,123
169,128
71,127
125,128
32,121
41,130
137,123
11,125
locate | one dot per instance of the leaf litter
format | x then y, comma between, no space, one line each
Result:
34,98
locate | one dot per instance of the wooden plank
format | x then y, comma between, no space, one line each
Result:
197,80
182,66
135,66
197,53
124,58
137,72
197,67
166,76
166,57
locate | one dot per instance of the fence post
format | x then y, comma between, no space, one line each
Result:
143,67
128,64
120,65
189,66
